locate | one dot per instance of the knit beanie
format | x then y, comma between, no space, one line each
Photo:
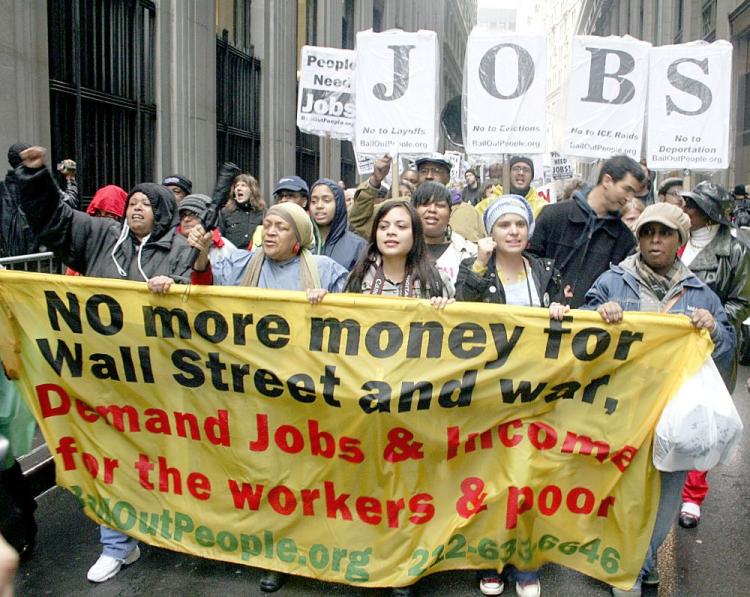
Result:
520,158
197,203
508,204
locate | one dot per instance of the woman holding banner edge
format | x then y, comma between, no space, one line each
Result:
395,263
144,247
283,262
503,273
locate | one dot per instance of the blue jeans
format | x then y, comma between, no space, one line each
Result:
670,500
116,544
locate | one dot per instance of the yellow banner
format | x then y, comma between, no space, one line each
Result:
365,440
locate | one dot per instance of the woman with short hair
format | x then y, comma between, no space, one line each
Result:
445,246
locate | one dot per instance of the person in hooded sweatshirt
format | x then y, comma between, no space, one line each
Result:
144,247
328,211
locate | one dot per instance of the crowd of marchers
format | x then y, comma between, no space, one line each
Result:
613,246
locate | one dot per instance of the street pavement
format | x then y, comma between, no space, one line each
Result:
710,560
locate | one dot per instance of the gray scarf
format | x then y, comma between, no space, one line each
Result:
658,284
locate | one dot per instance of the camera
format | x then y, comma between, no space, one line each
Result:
66,165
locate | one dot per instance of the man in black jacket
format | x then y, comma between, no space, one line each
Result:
586,234
16,237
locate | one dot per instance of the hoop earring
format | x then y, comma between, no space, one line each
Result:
448,233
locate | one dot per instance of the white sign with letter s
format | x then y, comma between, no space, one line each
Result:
688,106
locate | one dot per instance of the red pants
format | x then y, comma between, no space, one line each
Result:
695,489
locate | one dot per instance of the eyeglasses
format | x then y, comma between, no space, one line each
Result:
521,170
434,170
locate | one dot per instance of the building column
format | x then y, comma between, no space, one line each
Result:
279,84
24,74
186,92
362,15
330,16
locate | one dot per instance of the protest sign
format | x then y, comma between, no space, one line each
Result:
561,167
688,106
456,159
365,164
364,440
504,82
396,87
606,97
325,102
548,192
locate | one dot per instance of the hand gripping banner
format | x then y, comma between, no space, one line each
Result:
364,440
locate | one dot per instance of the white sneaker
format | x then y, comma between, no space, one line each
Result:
491,585
106,566
530,589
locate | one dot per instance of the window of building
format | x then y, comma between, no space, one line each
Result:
679,16
238,87
307,145
102,90
641,25
348,160
234,16
347,26
377,15
709,20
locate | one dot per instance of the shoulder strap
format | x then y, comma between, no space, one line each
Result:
673,301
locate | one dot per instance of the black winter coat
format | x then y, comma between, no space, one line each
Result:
724,265
581,253
16,236
238,225
86,243
488,288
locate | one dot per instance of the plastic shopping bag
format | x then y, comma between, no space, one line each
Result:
700,427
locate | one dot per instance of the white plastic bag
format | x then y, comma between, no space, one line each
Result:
700,427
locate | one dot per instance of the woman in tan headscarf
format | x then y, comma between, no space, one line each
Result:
284,260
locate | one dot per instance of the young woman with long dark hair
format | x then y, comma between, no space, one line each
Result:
396,262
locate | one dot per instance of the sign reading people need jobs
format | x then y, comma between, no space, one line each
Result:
688,106
504,80
397,92
325,102
364,440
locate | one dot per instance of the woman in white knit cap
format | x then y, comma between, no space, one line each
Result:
503,273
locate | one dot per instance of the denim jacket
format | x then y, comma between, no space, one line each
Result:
622,286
